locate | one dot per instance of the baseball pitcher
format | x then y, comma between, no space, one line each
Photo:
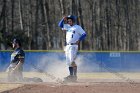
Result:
74,34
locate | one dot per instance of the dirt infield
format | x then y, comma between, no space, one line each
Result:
107,87
87,83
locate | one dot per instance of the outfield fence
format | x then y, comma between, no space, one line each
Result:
88,61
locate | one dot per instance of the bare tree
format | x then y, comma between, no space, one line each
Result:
20,13
110,24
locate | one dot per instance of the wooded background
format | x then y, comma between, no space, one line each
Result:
109,24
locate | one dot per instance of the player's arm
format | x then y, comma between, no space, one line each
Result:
61,23
81,38
20,63
82,35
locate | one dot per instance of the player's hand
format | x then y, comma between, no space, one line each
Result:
64,29
12,70
65,18
77,42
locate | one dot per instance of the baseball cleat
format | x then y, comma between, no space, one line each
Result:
70,78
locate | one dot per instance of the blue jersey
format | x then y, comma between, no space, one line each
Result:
17,55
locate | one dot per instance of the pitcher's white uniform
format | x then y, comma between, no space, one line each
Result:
72,36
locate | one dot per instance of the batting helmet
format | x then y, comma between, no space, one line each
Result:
15,41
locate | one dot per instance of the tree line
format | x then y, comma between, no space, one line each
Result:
109,24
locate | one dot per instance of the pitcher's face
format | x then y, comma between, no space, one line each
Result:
70,22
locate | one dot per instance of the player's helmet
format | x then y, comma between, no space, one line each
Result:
71,17
15,41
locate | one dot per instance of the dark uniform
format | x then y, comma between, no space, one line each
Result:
17,55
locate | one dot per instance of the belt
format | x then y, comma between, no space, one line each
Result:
72,44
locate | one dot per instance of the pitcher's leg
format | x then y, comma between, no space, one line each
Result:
75,70
70,58
71,70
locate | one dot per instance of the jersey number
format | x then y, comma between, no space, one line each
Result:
73,34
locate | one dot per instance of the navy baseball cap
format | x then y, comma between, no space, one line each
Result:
71,17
